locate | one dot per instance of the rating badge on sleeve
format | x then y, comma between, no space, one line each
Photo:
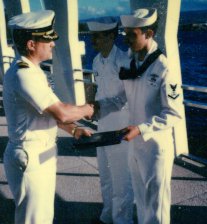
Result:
173,95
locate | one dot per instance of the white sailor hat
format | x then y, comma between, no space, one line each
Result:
102,24
38,24
140,18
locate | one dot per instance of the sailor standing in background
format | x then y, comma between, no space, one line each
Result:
112,160
33,112
154,100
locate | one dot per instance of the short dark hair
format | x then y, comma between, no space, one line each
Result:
152,27
20,38
114,31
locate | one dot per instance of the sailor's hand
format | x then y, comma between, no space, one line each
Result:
89,111
96,106
81,132
133,131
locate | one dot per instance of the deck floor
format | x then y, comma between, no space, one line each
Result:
78,197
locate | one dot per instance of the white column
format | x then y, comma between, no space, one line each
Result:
7,53
77,49
25,6
13,7
67,54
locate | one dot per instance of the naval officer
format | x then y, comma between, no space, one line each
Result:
154,101
33,113
113,113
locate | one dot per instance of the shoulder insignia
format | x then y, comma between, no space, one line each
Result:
173,94
22,64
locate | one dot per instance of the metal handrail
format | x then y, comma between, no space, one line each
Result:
202,89
191,103
196,104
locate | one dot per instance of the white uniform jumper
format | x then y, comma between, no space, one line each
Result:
113,160
153,103
30,156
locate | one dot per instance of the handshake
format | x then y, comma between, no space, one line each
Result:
87,111
93,110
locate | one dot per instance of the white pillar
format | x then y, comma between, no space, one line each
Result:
77,49
25,6
13,7
7,53
67,63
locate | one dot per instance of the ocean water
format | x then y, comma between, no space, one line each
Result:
192,39
193,53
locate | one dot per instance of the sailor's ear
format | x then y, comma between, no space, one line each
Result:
149,33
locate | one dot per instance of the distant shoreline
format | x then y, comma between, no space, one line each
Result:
182,27
189,21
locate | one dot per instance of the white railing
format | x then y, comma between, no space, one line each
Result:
191,103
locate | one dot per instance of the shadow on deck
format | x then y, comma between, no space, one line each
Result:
84,213
78,212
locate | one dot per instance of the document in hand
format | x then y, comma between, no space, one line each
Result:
101,139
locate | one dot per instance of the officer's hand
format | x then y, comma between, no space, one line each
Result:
82,132
133,132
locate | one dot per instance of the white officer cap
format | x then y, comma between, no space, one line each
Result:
140,18
102,24
39,24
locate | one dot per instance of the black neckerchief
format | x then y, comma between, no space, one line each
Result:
133,72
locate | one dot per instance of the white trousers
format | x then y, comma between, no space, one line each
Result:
116,185
32,178
151,169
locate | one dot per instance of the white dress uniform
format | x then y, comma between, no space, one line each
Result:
153,100
30,156
113,160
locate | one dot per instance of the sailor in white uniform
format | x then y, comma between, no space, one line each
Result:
33,112
154,101
112,160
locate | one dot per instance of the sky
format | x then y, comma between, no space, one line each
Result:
188,5
97,8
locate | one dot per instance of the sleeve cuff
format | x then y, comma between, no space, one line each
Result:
49,100
144,129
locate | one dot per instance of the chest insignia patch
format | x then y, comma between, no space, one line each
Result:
153,79
173,94
22,64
